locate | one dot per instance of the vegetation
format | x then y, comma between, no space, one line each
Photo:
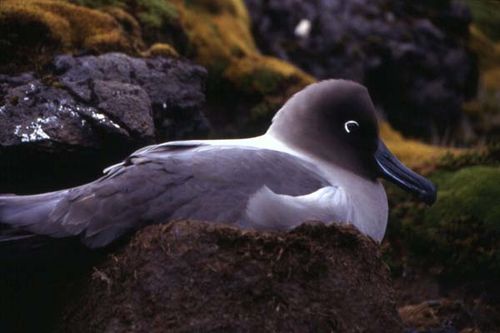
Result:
32,31
486,14
150,13
413,153
459,237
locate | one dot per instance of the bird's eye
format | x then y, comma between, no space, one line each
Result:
351,126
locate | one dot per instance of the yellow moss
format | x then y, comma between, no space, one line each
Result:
221,39
413,153
490,79
488,52
68,27
22,11
264,75
216,34
161,49
128,23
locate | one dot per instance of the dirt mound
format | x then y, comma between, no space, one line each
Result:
189,276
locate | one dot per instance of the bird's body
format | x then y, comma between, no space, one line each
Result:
342,197
307,166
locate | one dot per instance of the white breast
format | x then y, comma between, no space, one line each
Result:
268,210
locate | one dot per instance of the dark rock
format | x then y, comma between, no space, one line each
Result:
46,116
174,88
193,277
410,54
90,111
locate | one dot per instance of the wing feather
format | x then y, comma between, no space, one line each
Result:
166,182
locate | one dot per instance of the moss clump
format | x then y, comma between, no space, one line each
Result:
160,49
460,235
413,153
264,75
476,190
31,31
220,39
488,155
217,30
152,14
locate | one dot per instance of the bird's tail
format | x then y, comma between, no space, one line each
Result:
22,217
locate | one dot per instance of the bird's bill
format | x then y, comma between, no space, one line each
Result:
396,172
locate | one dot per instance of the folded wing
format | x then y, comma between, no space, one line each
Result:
158,184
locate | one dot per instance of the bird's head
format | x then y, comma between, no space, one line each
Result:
335,121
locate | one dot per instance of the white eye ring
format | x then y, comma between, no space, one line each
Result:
348,123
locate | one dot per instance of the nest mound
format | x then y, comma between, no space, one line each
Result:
189,276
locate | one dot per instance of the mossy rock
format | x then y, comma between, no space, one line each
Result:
159,19
215,34
32,31
458,237
245,88
220,39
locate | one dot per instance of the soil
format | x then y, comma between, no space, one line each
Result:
192,277
427,304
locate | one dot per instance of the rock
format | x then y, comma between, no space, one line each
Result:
94,110
175,88
189,276
246,87
410,55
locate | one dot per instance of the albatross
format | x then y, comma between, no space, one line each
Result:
321,159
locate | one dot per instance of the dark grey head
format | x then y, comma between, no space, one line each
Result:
335,121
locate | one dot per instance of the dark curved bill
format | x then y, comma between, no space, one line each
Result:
396,172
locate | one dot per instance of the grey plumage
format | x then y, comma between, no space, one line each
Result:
158,184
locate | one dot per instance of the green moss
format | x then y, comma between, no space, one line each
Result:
474,190
261,80
152,14
459,237
156,12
